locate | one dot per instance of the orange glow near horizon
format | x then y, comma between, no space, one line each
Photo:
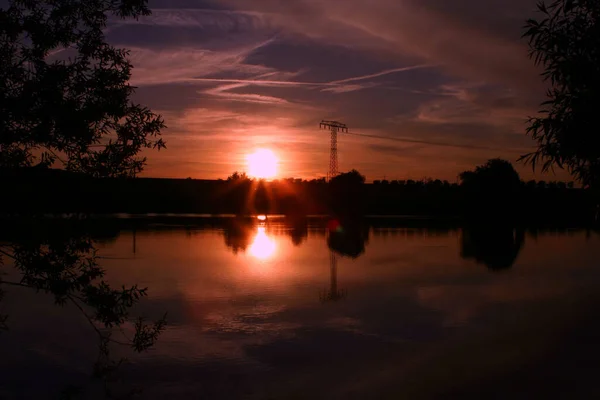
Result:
262,164
263,247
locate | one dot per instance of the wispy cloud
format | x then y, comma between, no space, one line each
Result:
337,86
382,73
406,28
348,84
186,64
260,82
341,88
200,18
476,103
224,92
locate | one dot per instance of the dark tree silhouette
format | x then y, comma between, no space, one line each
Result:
262,198
75,110
351,178
491,188
496,247
347,194
291,206
561,185
238,177
542,185
495,175
565,41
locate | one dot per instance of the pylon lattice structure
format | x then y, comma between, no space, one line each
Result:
334,127
333,294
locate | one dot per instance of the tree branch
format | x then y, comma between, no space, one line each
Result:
55,155
91,322
7,254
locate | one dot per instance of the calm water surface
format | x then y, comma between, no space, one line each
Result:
268,310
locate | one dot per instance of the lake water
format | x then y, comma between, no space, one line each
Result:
269,310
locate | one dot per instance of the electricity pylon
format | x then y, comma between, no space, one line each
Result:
334,127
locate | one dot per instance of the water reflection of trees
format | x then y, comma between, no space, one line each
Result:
347,239
239,233
59,258
298,231
496,247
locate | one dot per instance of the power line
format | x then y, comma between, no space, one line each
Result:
440,144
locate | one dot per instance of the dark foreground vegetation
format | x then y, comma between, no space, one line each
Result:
493,189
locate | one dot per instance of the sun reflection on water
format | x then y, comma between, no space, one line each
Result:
262,247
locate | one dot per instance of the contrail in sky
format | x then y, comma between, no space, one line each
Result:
382,73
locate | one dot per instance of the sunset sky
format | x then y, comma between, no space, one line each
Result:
234,76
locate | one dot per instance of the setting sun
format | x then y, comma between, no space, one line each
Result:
262,164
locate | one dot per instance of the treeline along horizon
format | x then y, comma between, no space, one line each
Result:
57,191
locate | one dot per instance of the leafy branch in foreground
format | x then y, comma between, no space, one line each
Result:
565,41
66,100
65,95
68,270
